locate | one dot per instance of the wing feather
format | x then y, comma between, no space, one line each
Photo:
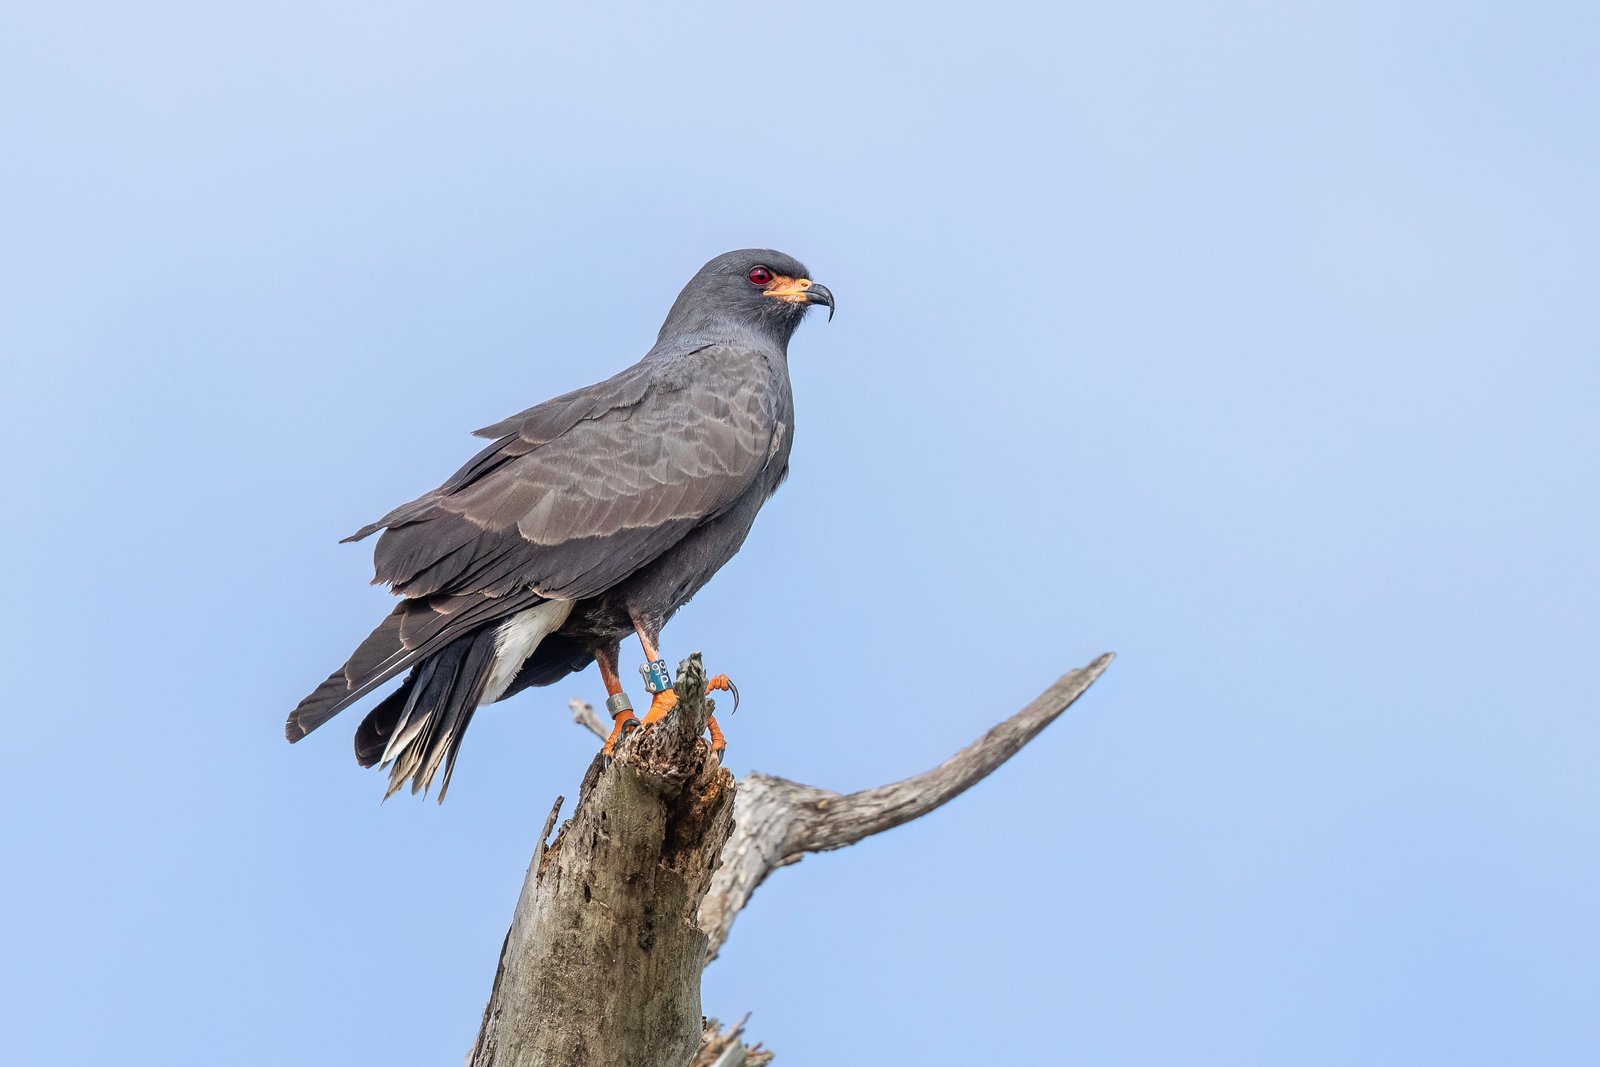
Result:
577,493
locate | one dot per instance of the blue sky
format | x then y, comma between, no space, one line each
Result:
1254,342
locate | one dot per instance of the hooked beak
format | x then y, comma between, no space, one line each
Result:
800,291
819,294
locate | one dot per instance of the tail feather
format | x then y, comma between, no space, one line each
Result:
372,736
374,662
461,650
433,678
448,725
419,726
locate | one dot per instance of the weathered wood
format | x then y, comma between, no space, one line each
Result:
727,1048
583,714
601,967
779,821
620,914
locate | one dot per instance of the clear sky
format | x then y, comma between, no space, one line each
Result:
1255,342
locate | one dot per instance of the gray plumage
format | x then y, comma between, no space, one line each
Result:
592,513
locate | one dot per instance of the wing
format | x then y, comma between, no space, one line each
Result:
583,490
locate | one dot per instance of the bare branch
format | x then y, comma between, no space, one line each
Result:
847,820
778,821
583,714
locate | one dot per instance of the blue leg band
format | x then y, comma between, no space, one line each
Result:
656,677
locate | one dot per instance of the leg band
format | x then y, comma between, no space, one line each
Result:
617,703
656,677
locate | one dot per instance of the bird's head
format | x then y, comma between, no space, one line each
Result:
760,289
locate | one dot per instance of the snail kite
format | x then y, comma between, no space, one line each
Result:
591,516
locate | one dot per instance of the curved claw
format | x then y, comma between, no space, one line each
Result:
722,681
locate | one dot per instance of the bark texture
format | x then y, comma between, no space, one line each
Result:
621,913
602,963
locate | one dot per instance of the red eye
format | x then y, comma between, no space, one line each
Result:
760,276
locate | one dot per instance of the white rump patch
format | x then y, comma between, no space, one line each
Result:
515,641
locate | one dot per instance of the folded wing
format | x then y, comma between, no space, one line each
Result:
580,492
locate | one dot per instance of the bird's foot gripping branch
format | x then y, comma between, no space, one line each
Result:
624,722
619,888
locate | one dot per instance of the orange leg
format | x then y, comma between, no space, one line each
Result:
606,660
619,727
666,700
719,742
647,641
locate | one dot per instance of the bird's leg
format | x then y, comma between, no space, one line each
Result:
657,679
623,720
721,681
659,682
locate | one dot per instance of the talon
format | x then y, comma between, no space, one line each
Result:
621,727
722,681
719,743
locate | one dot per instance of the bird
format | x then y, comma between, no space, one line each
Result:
591,517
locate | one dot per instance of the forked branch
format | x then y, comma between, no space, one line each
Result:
776,821
639,890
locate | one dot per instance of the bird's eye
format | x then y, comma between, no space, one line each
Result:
760,276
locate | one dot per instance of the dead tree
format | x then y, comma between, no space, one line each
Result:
619,914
